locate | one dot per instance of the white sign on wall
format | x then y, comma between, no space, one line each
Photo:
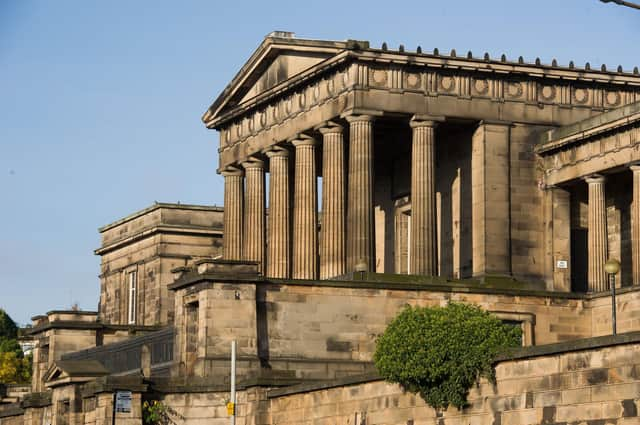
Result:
562,264
123,402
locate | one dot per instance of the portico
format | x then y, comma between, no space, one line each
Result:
425,161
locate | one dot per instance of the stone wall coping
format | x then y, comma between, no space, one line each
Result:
324,385
121,345
504,286
79,325
13,409
109,384
571,346
76,312
156,206
38,399
435,285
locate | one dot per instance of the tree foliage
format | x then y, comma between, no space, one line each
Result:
440,352
15,367
8,328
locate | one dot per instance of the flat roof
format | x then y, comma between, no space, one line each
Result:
156,206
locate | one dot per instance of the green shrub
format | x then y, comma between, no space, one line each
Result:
440,352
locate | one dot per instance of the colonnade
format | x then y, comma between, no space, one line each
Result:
346,238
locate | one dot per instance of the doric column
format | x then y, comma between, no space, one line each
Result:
360,193
597,244
278,246
635,225
305,211
332,238
423,197
254,219
233,213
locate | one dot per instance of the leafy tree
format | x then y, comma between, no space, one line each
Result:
440,352
8,328
15,367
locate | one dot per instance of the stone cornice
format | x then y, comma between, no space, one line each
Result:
611,145
581,136
273,117
161,228
159,205
444,64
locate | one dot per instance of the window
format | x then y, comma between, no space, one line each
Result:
132,297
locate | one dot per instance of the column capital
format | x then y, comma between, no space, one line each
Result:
351,118
595,179
635,167
303,140
252,163
231,171
276,152
329,127
425,121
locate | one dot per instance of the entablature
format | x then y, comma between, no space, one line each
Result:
591,149
408,83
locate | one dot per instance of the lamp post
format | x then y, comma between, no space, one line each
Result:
612,267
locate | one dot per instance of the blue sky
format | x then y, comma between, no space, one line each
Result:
100,103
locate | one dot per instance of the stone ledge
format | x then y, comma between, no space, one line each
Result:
12,409
110,384
72,324
40,399
491,285
571,346
323,385
156,206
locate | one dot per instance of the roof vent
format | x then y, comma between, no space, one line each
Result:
281,34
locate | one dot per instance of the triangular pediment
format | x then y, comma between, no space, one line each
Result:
278,59
65,370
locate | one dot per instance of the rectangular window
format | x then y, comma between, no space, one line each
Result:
132,297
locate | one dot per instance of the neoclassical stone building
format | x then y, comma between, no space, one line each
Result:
430,164
359,180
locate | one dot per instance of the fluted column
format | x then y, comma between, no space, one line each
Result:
423,197
360,193
305,211
635,225
254,219
233,213
597,244
278,246
332,238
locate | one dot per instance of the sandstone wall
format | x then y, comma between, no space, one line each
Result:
600,385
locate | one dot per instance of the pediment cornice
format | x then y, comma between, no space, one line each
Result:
224,110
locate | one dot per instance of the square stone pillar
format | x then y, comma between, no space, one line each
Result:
558,239
490,194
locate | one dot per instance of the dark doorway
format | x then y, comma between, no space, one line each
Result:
579,260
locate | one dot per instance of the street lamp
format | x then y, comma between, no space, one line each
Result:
612,267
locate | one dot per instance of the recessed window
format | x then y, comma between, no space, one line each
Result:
133,290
